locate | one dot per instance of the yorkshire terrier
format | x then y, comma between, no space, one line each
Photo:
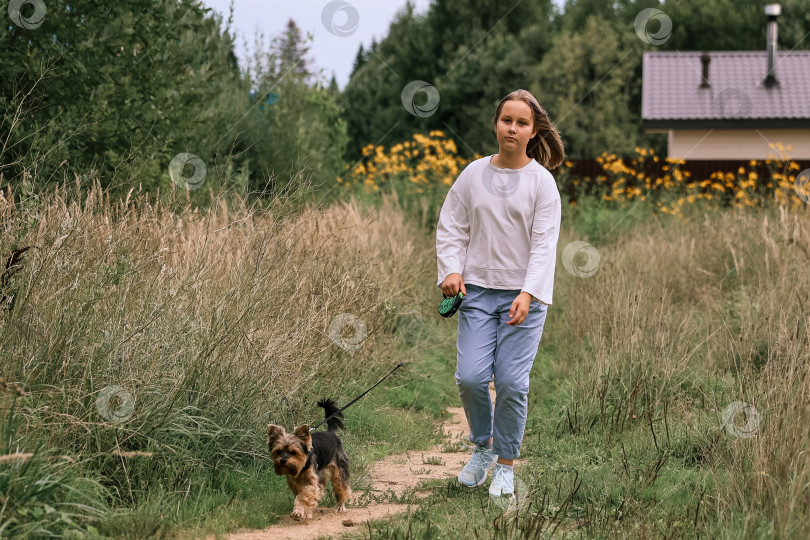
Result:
306,458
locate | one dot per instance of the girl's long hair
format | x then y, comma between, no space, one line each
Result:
547,146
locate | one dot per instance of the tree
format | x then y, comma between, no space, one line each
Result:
127,85
460,24
295,124
720,25
794,25
583,63
471,54
360,59
733,25
292,54
584,82
372,98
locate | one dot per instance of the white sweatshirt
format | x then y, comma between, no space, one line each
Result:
498,228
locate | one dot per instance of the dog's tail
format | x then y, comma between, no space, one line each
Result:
330,407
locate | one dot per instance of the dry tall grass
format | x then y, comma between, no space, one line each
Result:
683,319
135,293
170,336
216,320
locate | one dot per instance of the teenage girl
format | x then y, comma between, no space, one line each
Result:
496,242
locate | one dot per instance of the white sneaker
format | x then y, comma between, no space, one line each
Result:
475,471
503,481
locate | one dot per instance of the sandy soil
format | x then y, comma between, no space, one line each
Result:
395,473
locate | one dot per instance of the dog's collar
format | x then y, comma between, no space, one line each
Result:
309,462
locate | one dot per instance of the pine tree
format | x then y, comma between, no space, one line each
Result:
359,60
292,51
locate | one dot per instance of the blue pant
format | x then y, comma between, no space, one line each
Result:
487,345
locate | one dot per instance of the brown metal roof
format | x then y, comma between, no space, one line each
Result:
671,92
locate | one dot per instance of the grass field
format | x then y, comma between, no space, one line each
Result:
214,322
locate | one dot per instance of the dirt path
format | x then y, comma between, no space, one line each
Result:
394,473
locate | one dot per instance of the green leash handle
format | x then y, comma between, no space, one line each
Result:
450,305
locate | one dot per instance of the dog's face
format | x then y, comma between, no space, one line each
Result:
289,451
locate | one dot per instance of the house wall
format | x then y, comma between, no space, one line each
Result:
737,143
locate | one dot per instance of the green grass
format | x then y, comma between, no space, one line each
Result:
623,438
395,417
208,347
579,482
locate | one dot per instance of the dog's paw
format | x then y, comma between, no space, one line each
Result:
301,513
341,508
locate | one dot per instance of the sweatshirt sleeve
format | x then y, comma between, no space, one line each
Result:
539,281
452,236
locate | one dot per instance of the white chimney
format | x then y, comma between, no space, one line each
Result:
772,11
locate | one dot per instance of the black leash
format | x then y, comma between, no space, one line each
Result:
355,399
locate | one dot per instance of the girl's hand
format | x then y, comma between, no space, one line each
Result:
519,309
452,284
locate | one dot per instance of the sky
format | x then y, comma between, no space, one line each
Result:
338,26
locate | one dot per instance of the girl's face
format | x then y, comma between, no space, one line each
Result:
515,126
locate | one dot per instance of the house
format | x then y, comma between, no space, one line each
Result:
729,105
